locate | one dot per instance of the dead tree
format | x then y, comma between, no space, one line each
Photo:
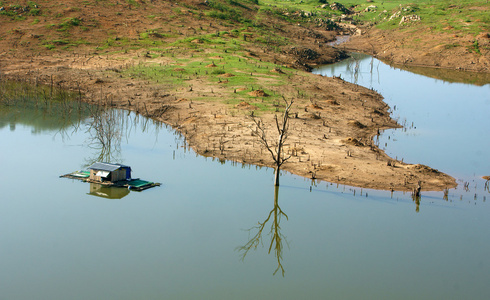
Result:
416,196
275,149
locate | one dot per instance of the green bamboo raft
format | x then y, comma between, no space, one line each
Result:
139,184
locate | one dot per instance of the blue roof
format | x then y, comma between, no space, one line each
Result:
107,166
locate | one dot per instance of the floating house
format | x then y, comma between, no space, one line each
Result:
113,175
107,172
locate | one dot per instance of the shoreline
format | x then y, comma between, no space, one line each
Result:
433,51
331,135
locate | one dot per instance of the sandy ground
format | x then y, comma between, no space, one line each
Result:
331,130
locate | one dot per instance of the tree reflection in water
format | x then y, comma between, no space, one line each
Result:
277,238
105,131
42,108
52,108
107,128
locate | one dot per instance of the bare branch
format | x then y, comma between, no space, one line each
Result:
260,132
275,150
256,239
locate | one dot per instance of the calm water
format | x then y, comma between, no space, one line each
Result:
446,125
185,239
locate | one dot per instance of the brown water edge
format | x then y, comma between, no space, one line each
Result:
448,75
330,137
424,49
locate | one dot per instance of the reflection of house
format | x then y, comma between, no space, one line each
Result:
106,172
109,192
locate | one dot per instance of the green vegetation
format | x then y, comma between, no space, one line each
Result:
63,43
132,2
301,12
20,12
49,46
226,11
468,16
234,74
69,23
475,47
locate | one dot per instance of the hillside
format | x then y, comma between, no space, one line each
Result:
416,33
101,27
439,34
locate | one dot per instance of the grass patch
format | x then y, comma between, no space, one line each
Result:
20,12
451,46
468,16
225,10
62,44
69,23
133,2
233,74
475,47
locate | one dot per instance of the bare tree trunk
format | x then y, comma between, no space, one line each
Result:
275,149
279,151
276,176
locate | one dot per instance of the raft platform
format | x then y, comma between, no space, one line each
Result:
132,184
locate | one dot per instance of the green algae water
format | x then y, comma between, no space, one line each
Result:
214,230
